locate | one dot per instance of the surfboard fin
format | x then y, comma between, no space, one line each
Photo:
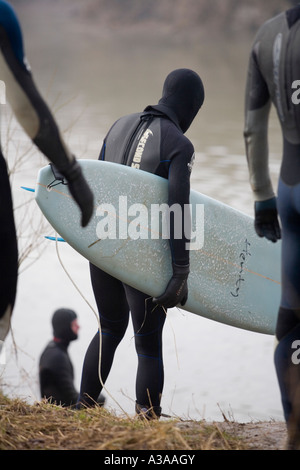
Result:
59,239
28,189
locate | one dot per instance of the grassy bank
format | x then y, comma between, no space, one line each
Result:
46,427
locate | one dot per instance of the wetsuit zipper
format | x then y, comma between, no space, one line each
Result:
144,123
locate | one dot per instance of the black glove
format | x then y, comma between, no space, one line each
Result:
177,289
266,220
80,191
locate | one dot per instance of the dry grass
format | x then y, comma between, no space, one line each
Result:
47,427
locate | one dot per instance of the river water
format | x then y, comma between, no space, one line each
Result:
90,78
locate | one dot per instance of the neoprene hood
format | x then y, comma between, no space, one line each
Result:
61,322
182,97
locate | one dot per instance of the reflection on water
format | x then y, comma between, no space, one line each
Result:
90,82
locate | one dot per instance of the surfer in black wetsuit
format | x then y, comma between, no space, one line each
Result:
56,375
37,121
274,76
154,141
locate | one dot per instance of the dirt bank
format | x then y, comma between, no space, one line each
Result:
258,436
48,427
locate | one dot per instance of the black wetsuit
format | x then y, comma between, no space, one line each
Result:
36,119
274,76
56,373
152,141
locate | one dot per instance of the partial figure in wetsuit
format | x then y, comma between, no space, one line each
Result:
158,134
56,374
274,77
37,121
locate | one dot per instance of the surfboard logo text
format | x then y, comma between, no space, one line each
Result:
137,221
240,277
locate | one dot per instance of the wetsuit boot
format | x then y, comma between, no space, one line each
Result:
148,413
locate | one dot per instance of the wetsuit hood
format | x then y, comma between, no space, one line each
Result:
61,322
182,97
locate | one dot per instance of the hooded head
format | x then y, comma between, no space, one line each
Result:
62,325
182,97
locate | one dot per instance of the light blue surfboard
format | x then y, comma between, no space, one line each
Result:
235,275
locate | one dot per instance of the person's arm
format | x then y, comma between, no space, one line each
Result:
179,195
257,110
32,111
180,227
